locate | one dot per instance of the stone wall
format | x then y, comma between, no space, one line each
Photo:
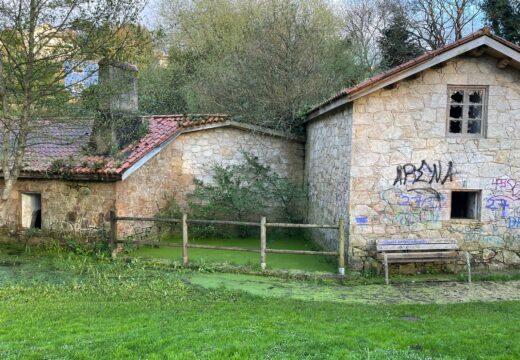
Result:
407,125
66,205
171,172
327,171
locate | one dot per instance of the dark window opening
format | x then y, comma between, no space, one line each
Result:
457,96
455,127
475,97
465,204
456,112
32,210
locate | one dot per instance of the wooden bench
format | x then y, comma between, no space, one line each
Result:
408,251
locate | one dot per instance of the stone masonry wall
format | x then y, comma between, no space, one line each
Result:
327,171
170,173
405,128
66,205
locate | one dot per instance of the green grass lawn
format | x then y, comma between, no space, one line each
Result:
62,306
274,261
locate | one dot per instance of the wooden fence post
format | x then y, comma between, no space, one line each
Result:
341,260
113,233
184,239
263,242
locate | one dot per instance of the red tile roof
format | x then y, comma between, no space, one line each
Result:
63,151
412,63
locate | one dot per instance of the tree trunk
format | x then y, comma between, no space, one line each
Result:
11,171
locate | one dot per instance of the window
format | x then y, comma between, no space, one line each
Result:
32,210
467,108
465,204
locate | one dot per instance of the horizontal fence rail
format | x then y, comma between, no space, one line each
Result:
223,222
301,226
132,218
263,250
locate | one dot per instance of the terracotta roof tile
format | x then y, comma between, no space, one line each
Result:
62,152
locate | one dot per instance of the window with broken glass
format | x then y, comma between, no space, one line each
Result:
466,111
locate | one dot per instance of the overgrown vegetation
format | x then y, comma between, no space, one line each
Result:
264,62
241,192
247,191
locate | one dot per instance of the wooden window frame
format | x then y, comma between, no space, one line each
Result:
465,104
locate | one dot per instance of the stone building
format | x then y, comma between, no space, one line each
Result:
427,150
68,190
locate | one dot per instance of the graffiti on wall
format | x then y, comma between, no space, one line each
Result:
504,202
424,173
510,186
417,205
361,220
498,204
413,206
493,237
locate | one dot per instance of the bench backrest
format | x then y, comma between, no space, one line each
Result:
416,245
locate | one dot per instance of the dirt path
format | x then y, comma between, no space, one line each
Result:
411,293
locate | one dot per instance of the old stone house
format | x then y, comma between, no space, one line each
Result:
75,192
427,150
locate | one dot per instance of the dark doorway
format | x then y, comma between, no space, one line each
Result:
32,210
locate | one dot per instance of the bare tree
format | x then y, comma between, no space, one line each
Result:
436,23
363,25
37,37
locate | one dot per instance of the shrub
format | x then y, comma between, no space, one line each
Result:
242,192
245,192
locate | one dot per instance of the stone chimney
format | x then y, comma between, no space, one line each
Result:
117,122
118,82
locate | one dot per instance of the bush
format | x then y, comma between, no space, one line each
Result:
242,192
247,191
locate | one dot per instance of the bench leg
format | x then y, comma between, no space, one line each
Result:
386,270
468,263
456,267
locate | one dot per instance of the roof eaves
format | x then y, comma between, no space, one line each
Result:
45,175
347,95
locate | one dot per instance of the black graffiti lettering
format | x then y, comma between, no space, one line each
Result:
449,173
436,174
409,170
421,173
399,176
409,173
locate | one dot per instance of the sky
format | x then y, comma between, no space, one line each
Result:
149,14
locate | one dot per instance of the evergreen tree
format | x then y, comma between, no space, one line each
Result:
396,45
504,18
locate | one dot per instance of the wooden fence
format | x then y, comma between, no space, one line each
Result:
263,250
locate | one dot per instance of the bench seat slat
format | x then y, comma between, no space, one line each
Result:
417,247
407,261
415,241
419,255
